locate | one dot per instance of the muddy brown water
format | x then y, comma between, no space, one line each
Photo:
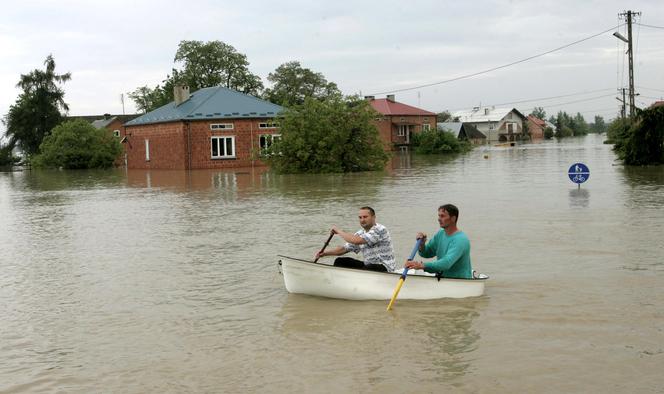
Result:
166,281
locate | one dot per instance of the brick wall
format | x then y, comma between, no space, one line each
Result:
182,145
388,127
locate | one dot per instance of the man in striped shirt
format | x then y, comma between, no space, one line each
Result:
373,240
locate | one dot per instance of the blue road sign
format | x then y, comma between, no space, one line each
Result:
578,173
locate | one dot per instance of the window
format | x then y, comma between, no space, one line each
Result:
221,126
147,150
403,130
116,133
426,119
268,125
223,147
511,127
266,140
426,127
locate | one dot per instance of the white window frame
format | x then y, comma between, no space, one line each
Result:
221,126
402,130
262,146
426,127
214,140
268,125
147,150
116,133
513,125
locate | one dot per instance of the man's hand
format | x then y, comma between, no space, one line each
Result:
416,265
423,237
335,230
318,255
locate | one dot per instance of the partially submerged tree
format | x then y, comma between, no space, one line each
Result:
641,141
38,108
438,142
292,84
539,112
77,144
334,135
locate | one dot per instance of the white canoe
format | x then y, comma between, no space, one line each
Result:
307,277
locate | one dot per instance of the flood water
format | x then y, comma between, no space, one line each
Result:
167,281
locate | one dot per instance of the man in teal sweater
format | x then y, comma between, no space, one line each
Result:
450,246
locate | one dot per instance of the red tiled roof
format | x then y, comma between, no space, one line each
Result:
657,104
386,107
537,120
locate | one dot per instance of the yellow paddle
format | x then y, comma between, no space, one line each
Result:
403,275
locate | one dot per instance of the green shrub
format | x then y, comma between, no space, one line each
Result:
77,144
437,141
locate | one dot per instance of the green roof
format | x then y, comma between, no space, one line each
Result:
211,103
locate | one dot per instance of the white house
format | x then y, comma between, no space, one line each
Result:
497,124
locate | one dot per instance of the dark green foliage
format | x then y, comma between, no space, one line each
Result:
599,126
37,109
438,141
6,157
333,135
292,84
77,144
444,116
204,64
567,126
539,112
548,133
642,141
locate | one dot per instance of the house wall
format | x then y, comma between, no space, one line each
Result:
183,145
495,130
536,131
388,128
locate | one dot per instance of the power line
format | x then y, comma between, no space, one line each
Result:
656,90
498,67
654,27
554,97
580,101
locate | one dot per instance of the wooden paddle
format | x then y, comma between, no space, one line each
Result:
324,246
403,275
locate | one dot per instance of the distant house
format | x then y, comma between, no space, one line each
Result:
464,132
497,124
213,127
397,121
107,121
657,104
536,127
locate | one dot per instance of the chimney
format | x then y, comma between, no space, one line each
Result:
486,111
369,98
390,97
107,116
181,94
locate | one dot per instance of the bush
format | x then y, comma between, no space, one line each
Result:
642,142
436,141
6,156
77,144
548,133
332,135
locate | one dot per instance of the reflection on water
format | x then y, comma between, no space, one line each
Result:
579,197
171,277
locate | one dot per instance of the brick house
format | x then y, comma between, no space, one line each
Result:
397,122
213,127
536,127
497,124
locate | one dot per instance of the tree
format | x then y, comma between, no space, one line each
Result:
548,133
212,63
580,125
539,112
640,142
76,144
444,116
333,135
37,109
599,126
292,84
438,141
215,63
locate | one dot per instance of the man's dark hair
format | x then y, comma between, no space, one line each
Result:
373,213
450,209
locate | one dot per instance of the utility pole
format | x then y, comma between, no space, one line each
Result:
629,15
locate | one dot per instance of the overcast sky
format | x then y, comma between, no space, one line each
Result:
364,46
